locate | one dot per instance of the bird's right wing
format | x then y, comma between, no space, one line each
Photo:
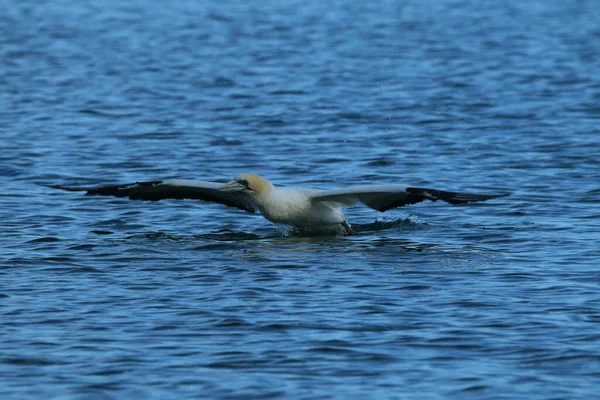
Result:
170,189
386,197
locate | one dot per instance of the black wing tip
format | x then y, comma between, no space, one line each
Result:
68,188
110,190
453,197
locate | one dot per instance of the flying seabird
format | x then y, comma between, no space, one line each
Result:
317,210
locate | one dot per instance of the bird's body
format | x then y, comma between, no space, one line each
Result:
318,210
295,207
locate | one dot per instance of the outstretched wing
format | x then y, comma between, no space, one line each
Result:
386,197
170,189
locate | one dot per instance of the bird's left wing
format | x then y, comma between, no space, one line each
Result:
171,189
386,197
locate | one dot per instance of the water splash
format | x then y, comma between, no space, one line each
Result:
385,222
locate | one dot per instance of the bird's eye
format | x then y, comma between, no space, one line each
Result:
245,183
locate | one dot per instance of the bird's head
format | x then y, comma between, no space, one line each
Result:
249,184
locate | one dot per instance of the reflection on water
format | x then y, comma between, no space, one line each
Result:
288,231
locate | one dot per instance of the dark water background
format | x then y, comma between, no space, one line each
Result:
106,298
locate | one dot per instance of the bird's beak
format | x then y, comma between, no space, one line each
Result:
232,186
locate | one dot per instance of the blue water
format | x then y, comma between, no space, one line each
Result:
104,298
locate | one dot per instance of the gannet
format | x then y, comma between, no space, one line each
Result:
303,208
